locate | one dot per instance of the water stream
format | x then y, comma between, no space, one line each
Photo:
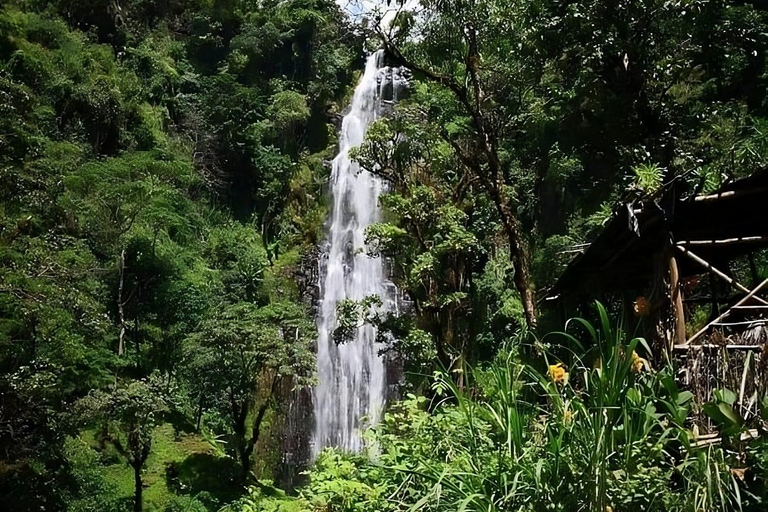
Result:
352,376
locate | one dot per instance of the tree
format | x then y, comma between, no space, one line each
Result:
551,105
128,414
116,238
249,351
474,123
440,232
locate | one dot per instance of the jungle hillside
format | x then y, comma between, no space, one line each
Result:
573,212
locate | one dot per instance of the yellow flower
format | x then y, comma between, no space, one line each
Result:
638,363
567,417
558,374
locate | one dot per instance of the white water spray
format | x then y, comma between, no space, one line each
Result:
352,376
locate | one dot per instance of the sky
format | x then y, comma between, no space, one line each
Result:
357,8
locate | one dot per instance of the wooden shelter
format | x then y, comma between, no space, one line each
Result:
688,273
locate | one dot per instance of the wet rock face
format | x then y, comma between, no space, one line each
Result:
297,431
297,422
394,83
307,279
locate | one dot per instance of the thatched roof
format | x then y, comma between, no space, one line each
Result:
731,222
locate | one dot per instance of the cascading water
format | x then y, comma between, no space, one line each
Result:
352,376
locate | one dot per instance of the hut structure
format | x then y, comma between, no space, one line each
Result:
688,271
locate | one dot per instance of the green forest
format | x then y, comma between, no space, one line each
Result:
165,168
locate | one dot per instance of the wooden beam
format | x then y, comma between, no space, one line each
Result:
759,321
722,300
712,439
725,241
715,346
727,312
728,194
728,279
713,197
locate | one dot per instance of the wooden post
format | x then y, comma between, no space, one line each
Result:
677,302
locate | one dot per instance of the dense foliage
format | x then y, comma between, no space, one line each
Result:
531,121
603,432
162,171
161,166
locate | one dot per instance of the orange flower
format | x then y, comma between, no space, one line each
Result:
558,374
641,306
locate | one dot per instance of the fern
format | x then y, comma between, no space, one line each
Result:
648,177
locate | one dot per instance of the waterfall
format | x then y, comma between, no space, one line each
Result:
352,380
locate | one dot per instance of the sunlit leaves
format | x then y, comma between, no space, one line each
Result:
287,109
649,177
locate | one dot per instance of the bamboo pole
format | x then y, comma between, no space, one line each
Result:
724,241
758,321
713,346
728,194
742,389
713,197
727,312
717,272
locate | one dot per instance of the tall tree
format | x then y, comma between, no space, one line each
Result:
128,415
551,106
475,119
249,351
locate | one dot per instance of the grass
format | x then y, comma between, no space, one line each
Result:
181,463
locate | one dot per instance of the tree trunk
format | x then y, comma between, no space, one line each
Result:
518,257
138,488
518,250
243,452
199,418
256,430
240,412
245,461
120,304
492,178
